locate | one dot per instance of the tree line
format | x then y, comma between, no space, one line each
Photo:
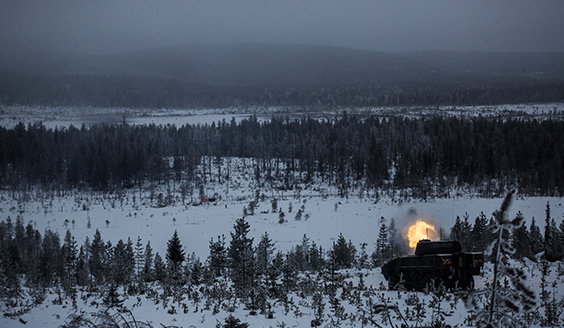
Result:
105,90
427,155
45,261
255,271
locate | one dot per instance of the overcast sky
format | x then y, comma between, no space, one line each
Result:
106,26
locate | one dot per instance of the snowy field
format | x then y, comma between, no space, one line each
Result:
357,219
53,117
454,312
119,218
135,214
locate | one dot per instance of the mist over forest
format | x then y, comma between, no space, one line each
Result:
297,163
243,75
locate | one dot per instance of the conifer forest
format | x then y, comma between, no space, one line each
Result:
281,164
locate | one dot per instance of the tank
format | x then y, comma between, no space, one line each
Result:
434,262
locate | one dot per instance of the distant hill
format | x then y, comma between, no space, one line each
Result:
237,64
277,74
493,63
289,65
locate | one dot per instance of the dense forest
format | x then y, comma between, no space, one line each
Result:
427,155
107,90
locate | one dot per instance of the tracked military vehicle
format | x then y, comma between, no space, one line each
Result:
434,262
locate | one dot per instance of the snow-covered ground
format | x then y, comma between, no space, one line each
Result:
357,219
121,218
325,215
53,117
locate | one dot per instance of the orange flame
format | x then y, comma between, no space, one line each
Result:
420,230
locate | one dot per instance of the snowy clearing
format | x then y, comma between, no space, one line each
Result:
52,117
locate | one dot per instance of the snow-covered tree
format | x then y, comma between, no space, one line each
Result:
508,296
343,254
139,259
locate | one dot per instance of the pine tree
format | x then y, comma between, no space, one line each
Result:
557,252
548,237
363,257
120,264
462,232
70,254
139,259
174,255
196,272
264,252
159,269
382,244
50,259
553,250
316,260
522,242
343,253
480,234
97,260
82,267
217,260
535,238
148,275
129,261
241,257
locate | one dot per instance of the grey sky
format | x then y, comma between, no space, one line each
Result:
105,26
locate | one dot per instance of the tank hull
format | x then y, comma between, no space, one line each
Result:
416,272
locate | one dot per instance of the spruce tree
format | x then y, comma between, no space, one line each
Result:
119,264
343,253
70,254
480,234
241,257
139,259
82,267
159,269
264,252
553,250
522,242
148,271
535,238
382,244
217,260
97,260
548,236
174,254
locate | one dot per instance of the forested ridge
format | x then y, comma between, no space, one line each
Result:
348,151
116,90
246,75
